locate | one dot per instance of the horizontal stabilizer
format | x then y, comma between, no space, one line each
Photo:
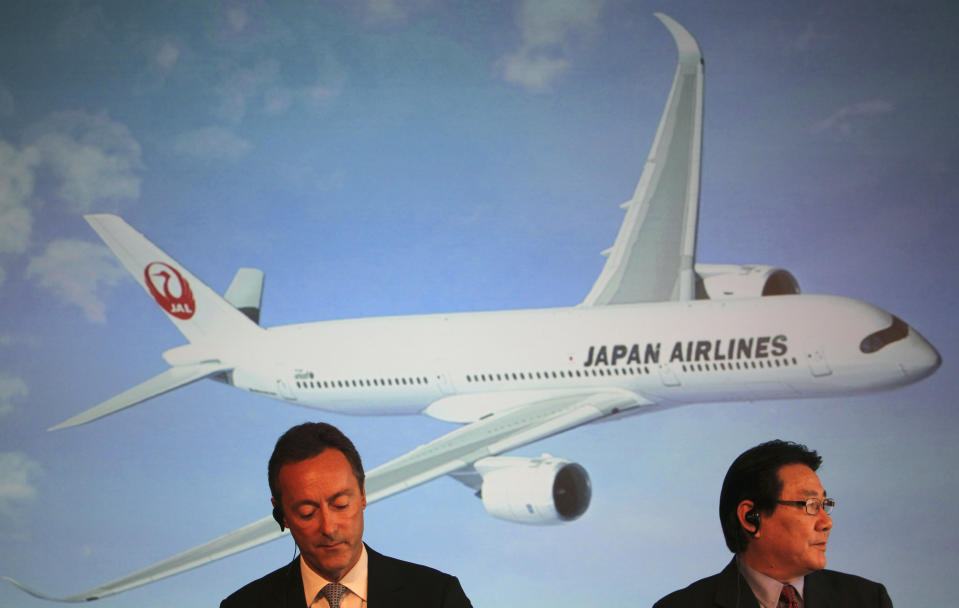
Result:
175,377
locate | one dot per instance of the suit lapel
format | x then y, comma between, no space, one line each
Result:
384,586
815,592
732,590
292,583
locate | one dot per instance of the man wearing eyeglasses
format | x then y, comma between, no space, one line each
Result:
775,517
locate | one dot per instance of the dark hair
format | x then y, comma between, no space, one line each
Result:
754,475
306,441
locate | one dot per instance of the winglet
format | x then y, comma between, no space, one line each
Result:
42,596
653,256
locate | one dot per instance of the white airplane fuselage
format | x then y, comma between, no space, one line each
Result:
670,353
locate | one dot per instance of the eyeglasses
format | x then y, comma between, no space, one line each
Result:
812,505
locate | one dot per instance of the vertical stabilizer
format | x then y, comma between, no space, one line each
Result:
197,311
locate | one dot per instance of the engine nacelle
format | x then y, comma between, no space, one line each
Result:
535,491
720,281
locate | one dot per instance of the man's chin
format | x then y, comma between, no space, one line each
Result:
330,563
817,560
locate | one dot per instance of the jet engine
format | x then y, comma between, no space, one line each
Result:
535,491
721,281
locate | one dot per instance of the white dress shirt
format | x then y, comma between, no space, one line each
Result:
355,580
767,589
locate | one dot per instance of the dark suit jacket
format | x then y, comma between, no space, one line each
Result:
392,584
821,589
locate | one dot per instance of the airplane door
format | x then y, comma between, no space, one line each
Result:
441,378
283,389
443,382
667,375
818,365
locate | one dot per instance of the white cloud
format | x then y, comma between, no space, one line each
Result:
6,100
237,18
12,389
18,473
549,30
846,120
242,87
75,271
803,41
16,187
211,143
167,54
384,12
261,89
90,157
531,70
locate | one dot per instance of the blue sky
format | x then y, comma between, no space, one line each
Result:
388,157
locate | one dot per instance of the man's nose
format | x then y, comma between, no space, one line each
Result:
326,525
823,520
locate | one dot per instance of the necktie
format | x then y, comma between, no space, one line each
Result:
333,592
788,599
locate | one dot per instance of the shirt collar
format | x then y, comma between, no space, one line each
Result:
765,588
355,580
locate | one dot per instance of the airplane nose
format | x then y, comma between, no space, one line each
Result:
920,358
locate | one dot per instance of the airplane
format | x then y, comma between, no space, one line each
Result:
657,330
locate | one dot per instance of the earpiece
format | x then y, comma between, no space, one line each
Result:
753,518
278,516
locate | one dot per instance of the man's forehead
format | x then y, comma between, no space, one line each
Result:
799,479
329,467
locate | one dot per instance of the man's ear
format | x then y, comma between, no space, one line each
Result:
748,517
278,514
363,495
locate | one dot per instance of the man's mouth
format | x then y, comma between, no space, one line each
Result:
329,546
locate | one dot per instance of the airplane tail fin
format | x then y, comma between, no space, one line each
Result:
196,310
203,317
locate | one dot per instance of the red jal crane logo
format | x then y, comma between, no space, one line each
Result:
170,290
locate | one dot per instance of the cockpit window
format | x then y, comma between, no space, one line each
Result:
875,341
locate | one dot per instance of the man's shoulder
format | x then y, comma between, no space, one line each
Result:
405,569
840,578
700,592
265,590
853,589
706,591
396,582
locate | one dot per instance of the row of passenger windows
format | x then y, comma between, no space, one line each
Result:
631,371
546,375
314,384
734,365
575,373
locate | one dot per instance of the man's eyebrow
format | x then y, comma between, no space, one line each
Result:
348,493
813,493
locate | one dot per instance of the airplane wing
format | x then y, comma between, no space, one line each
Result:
653,255
457,450
173,378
